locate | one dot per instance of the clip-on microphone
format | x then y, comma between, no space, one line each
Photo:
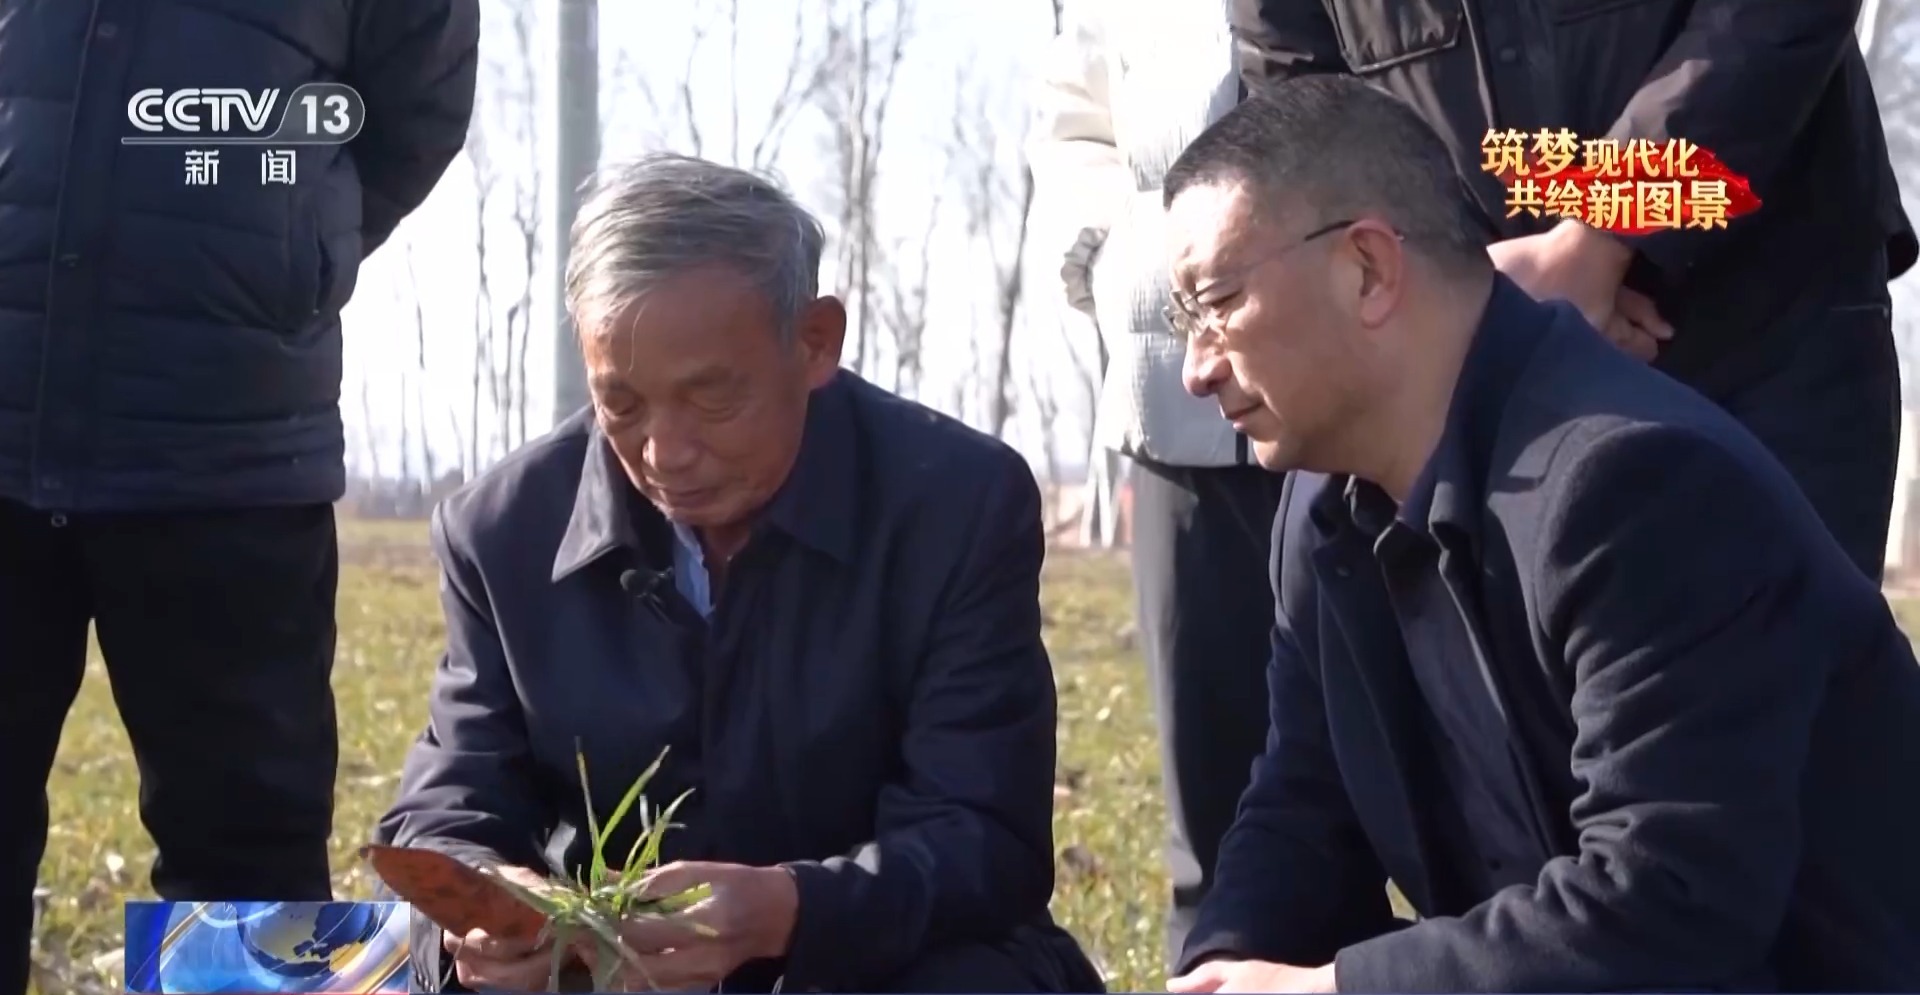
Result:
646,586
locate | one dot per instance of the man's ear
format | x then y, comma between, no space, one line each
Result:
1383,272
819,333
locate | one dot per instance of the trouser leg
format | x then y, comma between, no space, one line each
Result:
218,633
43,652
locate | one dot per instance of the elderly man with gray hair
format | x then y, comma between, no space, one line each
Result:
818,600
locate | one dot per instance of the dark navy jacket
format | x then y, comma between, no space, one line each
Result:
1717,719
173,346
870,703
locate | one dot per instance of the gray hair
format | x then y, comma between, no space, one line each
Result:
663,214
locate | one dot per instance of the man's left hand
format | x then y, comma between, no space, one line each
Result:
749,916
1254,976
1569,262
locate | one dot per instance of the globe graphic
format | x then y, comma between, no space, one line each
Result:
300,941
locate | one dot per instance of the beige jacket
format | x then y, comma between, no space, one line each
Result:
1127,85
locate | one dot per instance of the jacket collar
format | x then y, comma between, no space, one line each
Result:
602,521
816,506
1450,489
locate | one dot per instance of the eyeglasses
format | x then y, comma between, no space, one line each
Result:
1187,318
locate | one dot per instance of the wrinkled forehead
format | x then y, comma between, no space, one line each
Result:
1208,226
688,328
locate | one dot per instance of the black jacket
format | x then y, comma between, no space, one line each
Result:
1776,88
870,703
1717,719
172,346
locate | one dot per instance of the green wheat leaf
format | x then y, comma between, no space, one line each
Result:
599,870
613,952
543,904
603,979
626,802
562,934
673,904
651,842
608,932
598,900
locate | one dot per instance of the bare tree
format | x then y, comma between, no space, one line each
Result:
674,120
1046,410
420,381
999,191
369,435
806,73
519,99
483,380
865,47
506,233
733,74
1010,290
678,119
684,87
999,204
904,305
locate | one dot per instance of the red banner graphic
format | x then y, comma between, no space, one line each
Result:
1637,187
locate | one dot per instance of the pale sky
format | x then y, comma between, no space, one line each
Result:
997,44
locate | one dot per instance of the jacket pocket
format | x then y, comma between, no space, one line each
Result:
1381,34
306,280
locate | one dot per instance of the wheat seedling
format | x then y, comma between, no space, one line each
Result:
592,907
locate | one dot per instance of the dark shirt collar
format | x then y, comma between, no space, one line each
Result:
815,506
1448,489
1374,511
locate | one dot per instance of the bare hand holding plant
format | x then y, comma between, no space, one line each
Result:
749,915
588,917
483,962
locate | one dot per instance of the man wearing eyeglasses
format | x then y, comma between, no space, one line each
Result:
1559,648
1783,318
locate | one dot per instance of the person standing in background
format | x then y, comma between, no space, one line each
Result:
1127,85
170,436
1783,318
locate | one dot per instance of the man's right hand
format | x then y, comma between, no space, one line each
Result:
1569,262
483,962
1636,326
